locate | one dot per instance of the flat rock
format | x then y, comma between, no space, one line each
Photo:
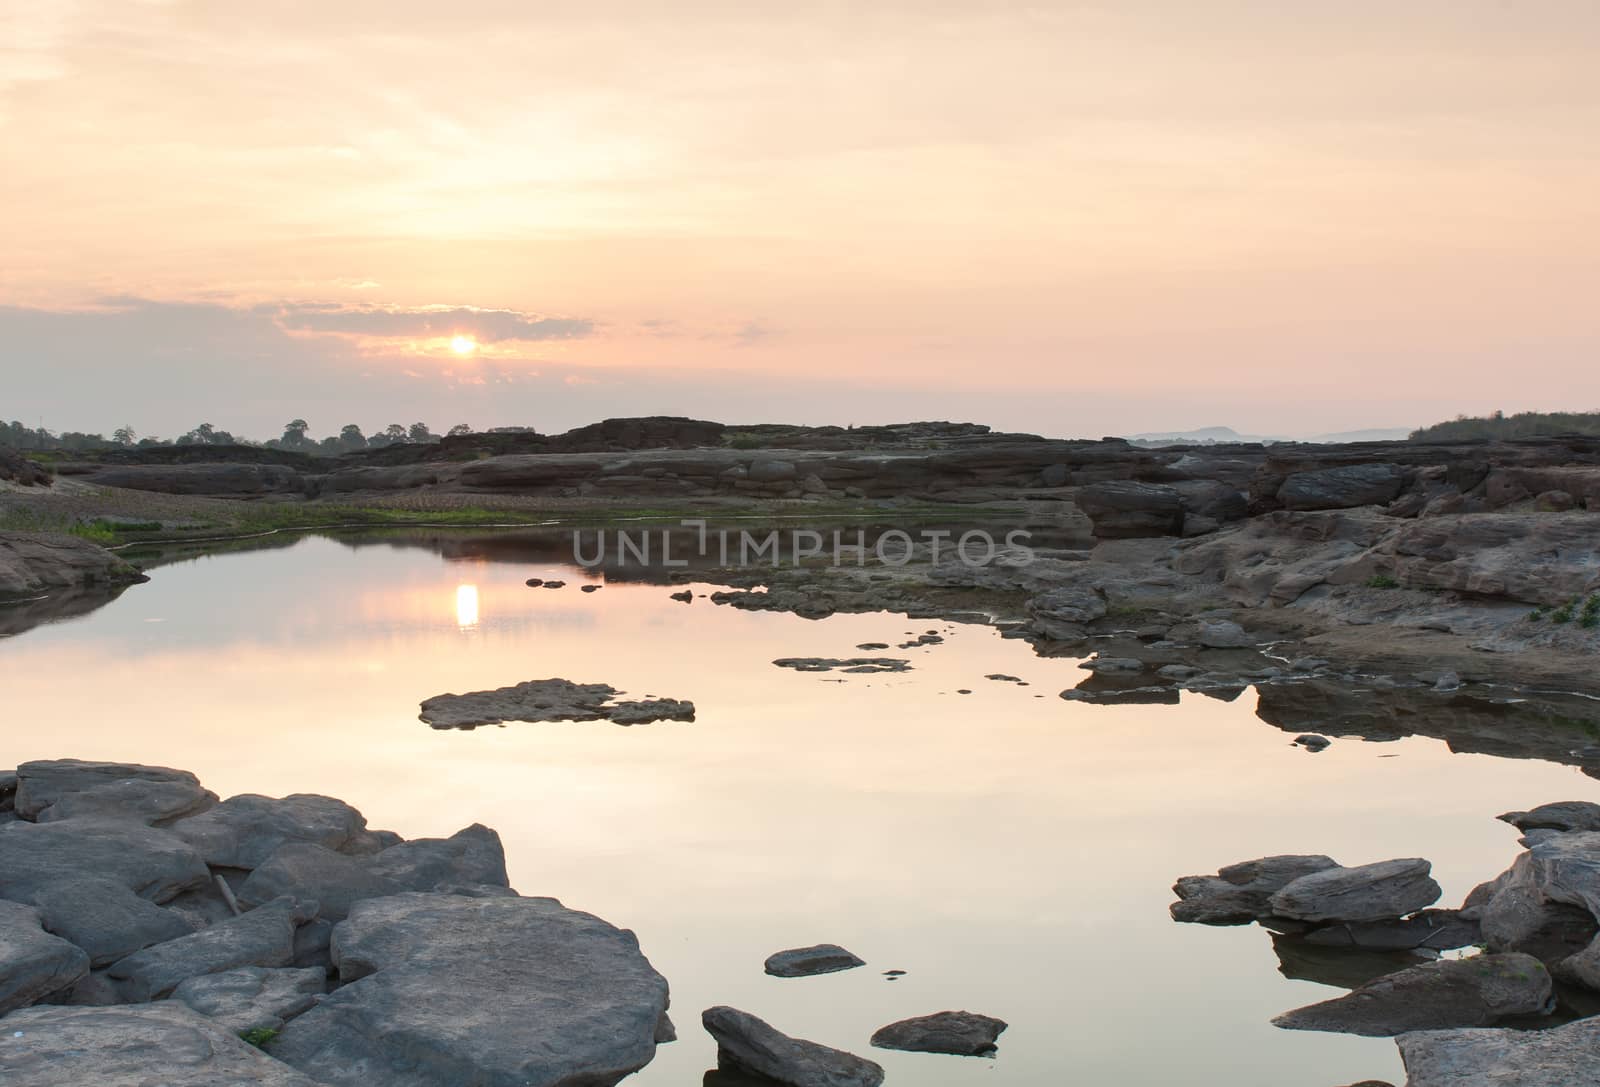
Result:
549,700
253,997
1114,666
152,863
1343,487
33,963
965,1034
1472,992
1240,893
1370,892
746,1044
444,990
152,803
150,1045
1563,815
309,872
243,831
864,665
803,962
263,936
1223,634
47,781
1559,1057
1431,930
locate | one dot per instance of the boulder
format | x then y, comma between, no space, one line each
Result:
1472,992
33,963
1558,1057
243,831
47,781
105,919
746,1044
253,997
1343,487
1241,893
153,803
1549,559
772,471
1123,509
1562,815
309,872
261,937
473,855
1223,634
1370,892
152,863
1061,613
443,990
965,1034
161,1045
34,563
802,962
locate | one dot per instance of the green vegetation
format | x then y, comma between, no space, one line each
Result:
1382,581
742,440
259,1036
1527,424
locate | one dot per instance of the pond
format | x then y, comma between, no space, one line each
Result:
1011,851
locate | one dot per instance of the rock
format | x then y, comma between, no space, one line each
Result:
161,1045
534,582
1553,502
548,700
1312,742
685,596
33,963
253,997
1061,613
153,803
243,831
1114,666
470,856
801,962
1562,815
1371,892
860,665
1342,488
443,990
32,563
965,1034
1547,559
1433,930
746,1044
105,919
309,872
1447,681
556,584
47,781
1240,893
772,471
263,936
1123,509
1470,992
8,788
1558,1057
153,864
1223,634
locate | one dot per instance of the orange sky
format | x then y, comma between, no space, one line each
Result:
1073,218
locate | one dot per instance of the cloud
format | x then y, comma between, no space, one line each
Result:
486,325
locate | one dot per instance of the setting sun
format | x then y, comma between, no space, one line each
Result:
463,345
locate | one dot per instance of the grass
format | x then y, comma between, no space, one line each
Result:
1382,581
258,1037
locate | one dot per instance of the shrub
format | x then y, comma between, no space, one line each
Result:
1382,581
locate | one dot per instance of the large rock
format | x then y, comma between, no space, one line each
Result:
1241,893
106,919
32,563
1061,613
1342,488
1471,992
48,781
1562,815
470,856
152,1045
1432,930
152,863
1536,558
253,997
309,872
243,831
549,700
153,803
443,990
33,963
802,962
262,937
746,1044
965,1034
1371,892
1124,509
1558,1057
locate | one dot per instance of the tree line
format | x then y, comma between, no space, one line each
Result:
296,436
1525,424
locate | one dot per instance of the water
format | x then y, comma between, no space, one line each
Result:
1012,852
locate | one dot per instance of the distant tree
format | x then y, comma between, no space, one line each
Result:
394,432
460,430
200,435
330,444
294,435
350,437
124,435
420,433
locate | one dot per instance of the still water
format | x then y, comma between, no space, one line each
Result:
1011,851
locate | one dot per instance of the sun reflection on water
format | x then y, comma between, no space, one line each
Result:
466,606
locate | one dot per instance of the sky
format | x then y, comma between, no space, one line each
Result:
1068,218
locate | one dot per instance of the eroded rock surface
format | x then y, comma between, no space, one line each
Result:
549,700
1558,1057
253,997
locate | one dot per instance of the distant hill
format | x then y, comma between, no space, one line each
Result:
1221,435
1527,424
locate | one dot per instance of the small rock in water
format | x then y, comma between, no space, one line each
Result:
965,1034
548,700
1311,741
745,1043
845,664
873,645
534,582
589,588
801,962
1241,893
685,596
963,690
1001,677
1114,666
555,584
1449,681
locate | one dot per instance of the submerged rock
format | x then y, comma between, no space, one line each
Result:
801,962
1241,893
844,664
1472,992
965,1034
166,1044
746,1044
548,700
1558,1057
442,990
1370,892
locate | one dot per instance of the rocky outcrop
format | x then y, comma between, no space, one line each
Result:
804,962
1473,992
549,700
18,469
32,564
963,1034
1558,1057
244,831
747,1044
1342,488
1241,893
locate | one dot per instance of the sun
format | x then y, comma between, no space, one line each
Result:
463,345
